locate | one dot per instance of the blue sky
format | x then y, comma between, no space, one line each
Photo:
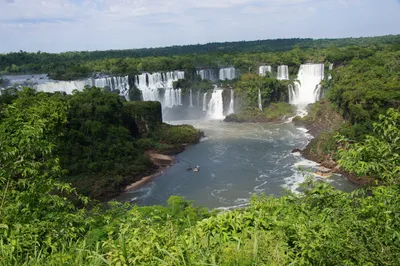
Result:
71,25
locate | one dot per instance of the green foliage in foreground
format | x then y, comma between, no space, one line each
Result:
323,226
379,154
39,224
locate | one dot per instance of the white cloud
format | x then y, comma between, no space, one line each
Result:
12,10
59,25
37,10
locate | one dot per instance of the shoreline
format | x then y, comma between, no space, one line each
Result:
330,163
145,180
162,161
321,123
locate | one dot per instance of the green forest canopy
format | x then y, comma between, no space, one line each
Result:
72,65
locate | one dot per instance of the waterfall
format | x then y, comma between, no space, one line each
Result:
112,83
308,89
178,98
64,86
171,98
227,73
283,72
292,93
215,106
330,71
231,109
208,74
205,102
259,100
264,69
152,84
191,99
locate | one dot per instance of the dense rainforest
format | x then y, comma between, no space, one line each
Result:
245,56
52,144
101,139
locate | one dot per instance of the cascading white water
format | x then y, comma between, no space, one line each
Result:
264,69
231,109
330,71
292,93
208,74
113,83
179,95
227,73
150,85
191,99
215,106
259,100
283,72
308,89
63,86
205,102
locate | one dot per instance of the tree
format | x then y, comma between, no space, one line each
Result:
33,201
272,90
379,155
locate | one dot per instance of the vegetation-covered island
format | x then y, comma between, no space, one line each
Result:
63,156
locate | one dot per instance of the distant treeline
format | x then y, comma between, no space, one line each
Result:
72,65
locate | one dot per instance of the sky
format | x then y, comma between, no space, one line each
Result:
76,25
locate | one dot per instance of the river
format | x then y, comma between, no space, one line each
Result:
236,161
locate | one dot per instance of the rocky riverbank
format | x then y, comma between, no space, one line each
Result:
161,161
323,123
